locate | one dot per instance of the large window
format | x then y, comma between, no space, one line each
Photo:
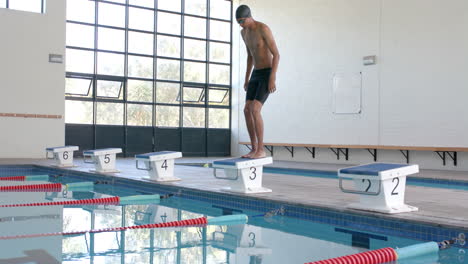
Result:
36,6
153,63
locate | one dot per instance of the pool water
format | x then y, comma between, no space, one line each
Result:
269,237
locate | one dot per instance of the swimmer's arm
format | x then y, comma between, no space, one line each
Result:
271,44
249,64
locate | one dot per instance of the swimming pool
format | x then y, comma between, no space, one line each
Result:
292,234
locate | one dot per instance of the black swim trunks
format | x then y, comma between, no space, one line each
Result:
257,88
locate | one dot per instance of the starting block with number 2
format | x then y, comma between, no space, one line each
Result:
381,186
160,165
245,174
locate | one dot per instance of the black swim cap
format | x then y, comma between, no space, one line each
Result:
243,11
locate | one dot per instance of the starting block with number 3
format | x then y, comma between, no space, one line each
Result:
381,186
63,156
103,159
246,174
160,165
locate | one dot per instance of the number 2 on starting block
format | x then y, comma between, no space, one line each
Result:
381,186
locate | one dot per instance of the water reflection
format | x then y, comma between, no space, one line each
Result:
267,238
16,221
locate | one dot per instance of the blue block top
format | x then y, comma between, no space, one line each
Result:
147,155
51,149
232,161
98,150
372,169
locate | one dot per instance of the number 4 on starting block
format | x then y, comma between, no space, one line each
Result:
160,165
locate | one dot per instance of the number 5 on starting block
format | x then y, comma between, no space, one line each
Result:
103,159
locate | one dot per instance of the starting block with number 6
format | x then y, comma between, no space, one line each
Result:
381,186
160,165
103,159
246,174
63,156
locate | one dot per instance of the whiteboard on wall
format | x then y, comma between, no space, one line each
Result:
347,93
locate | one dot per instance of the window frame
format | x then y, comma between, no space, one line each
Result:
42,11
203,101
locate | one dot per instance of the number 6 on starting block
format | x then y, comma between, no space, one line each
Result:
246,174
63,156
160,165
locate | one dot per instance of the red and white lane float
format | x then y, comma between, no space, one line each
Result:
49,187
202,221
26,178
114,200
385,255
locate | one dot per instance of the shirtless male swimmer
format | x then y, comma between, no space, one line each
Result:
264,57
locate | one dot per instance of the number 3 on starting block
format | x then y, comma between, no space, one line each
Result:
246,175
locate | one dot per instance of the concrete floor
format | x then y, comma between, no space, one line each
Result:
445,207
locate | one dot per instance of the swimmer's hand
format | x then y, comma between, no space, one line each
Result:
272,84
246,84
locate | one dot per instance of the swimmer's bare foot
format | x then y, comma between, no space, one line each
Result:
248,155
258,155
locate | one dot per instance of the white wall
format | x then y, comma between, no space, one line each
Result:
424,73
414,95
29,83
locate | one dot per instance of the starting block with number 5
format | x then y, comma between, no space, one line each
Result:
103,159
160,165
246,174
63,156
381,186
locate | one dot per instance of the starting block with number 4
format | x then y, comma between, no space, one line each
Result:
103,159
381,186
63,156
160,165
246,174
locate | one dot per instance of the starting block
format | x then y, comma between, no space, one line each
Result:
246,174
381,186
160,165
63,156
103,159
